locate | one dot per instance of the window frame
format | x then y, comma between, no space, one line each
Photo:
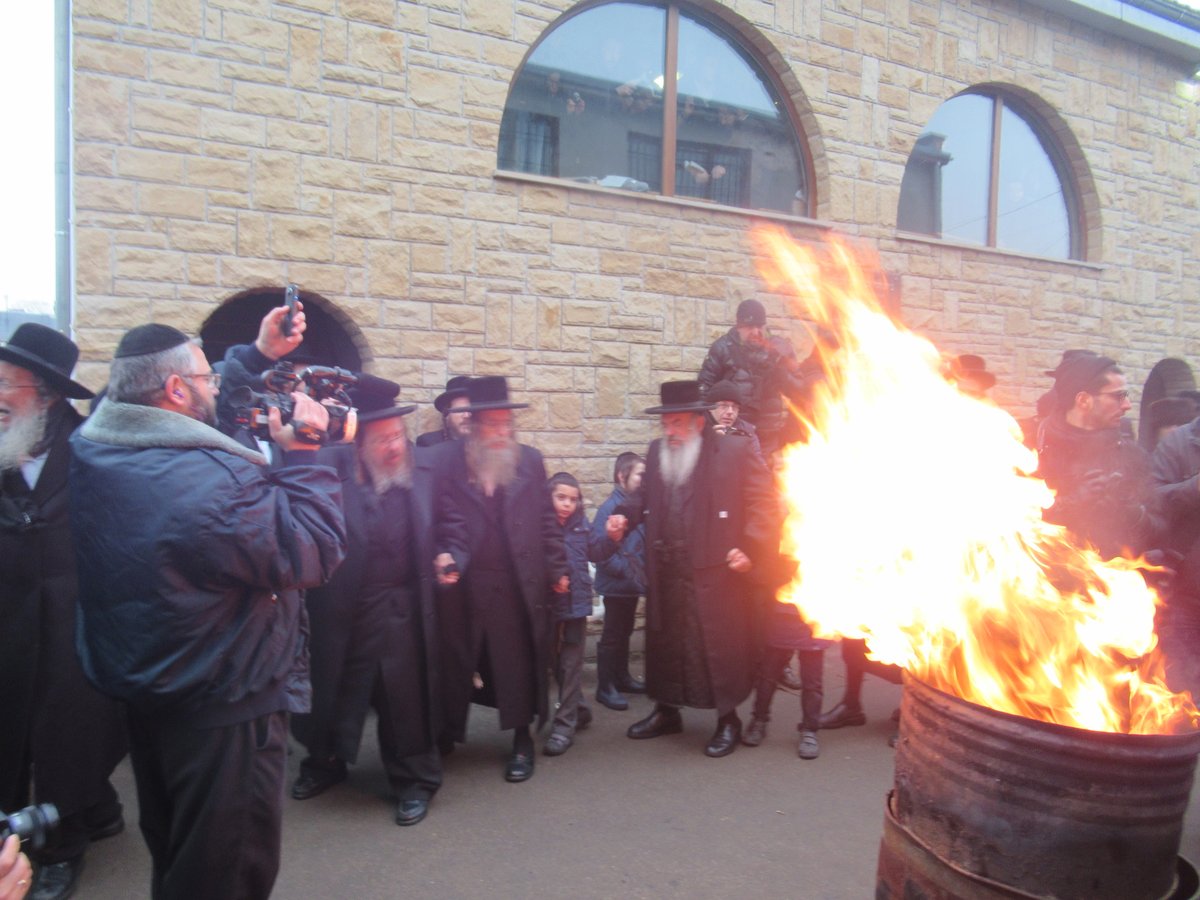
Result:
733,34
1055,154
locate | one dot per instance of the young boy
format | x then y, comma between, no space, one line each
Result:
572,609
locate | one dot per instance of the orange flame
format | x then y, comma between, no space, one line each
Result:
917,524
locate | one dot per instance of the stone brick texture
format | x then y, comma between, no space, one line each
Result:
350,145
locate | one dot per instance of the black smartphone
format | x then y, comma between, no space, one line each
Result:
290,298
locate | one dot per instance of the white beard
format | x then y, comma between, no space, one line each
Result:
492,467
383,480
19,439
678,464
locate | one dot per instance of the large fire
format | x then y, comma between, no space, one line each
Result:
917,524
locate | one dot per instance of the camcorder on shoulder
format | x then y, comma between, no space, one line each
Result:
325,384
32,825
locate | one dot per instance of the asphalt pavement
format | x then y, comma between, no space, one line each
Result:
610,818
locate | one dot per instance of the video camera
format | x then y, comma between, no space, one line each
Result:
326,384
32,824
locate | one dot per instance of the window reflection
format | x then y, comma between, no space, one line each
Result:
947,180
1032,215
588,105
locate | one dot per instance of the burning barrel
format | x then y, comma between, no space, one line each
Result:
988,804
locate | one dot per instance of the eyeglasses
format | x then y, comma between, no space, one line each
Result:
213,378
1119,396
726,406
6,385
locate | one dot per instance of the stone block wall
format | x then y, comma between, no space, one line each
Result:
350,146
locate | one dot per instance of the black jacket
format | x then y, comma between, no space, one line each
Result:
191,559
1104,494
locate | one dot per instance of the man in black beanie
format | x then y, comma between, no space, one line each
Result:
191,558
1104,494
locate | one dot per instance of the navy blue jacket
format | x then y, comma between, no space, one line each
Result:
624,573
191,558
582,543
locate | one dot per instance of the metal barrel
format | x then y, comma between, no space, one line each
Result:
1037,809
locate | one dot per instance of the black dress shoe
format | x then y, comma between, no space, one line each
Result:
789,679
519,768
313,781
725,739
109,829
842,716
609,696
410,812
56,881
631,685
660,722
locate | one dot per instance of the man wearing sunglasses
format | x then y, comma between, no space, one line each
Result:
1104,493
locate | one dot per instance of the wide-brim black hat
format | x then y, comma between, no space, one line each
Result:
456,387
48,354
489,392
375,399
679,396
968,365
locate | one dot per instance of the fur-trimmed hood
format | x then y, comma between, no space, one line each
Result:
144,427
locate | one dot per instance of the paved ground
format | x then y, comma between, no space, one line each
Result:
611,818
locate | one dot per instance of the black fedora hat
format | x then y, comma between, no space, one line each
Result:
375,398
968,365
456,387
47,354
679,396
489,392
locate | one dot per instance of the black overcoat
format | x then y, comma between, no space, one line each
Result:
733,504
535,546
47,706
355,639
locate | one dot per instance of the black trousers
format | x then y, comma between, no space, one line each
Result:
619,614
211,803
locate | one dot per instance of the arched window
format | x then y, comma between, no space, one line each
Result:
591,104
986,171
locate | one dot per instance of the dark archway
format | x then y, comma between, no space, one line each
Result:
330,338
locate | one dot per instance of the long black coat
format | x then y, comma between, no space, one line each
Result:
47,706
733,504
535,546
352,642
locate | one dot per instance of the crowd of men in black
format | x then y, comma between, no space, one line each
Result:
178,589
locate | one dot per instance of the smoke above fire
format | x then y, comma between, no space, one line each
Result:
916,519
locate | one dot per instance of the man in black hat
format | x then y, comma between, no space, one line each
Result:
712,524
46,702
504,556
764,369
374,625
191,556
1101,478
456,424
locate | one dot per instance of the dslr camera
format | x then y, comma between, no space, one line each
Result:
326,384
32,824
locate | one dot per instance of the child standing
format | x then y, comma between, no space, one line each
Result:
571,611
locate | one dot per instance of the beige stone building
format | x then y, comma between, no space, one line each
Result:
223,148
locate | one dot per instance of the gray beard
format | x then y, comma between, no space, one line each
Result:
18,440
492,468
678,464
384,481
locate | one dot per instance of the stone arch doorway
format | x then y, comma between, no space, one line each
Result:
330,339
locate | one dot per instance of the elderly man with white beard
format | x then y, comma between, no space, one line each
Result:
47,703
374,624
500,569
712,526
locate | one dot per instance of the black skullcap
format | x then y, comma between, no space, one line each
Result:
751,312
146,339
1079,374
